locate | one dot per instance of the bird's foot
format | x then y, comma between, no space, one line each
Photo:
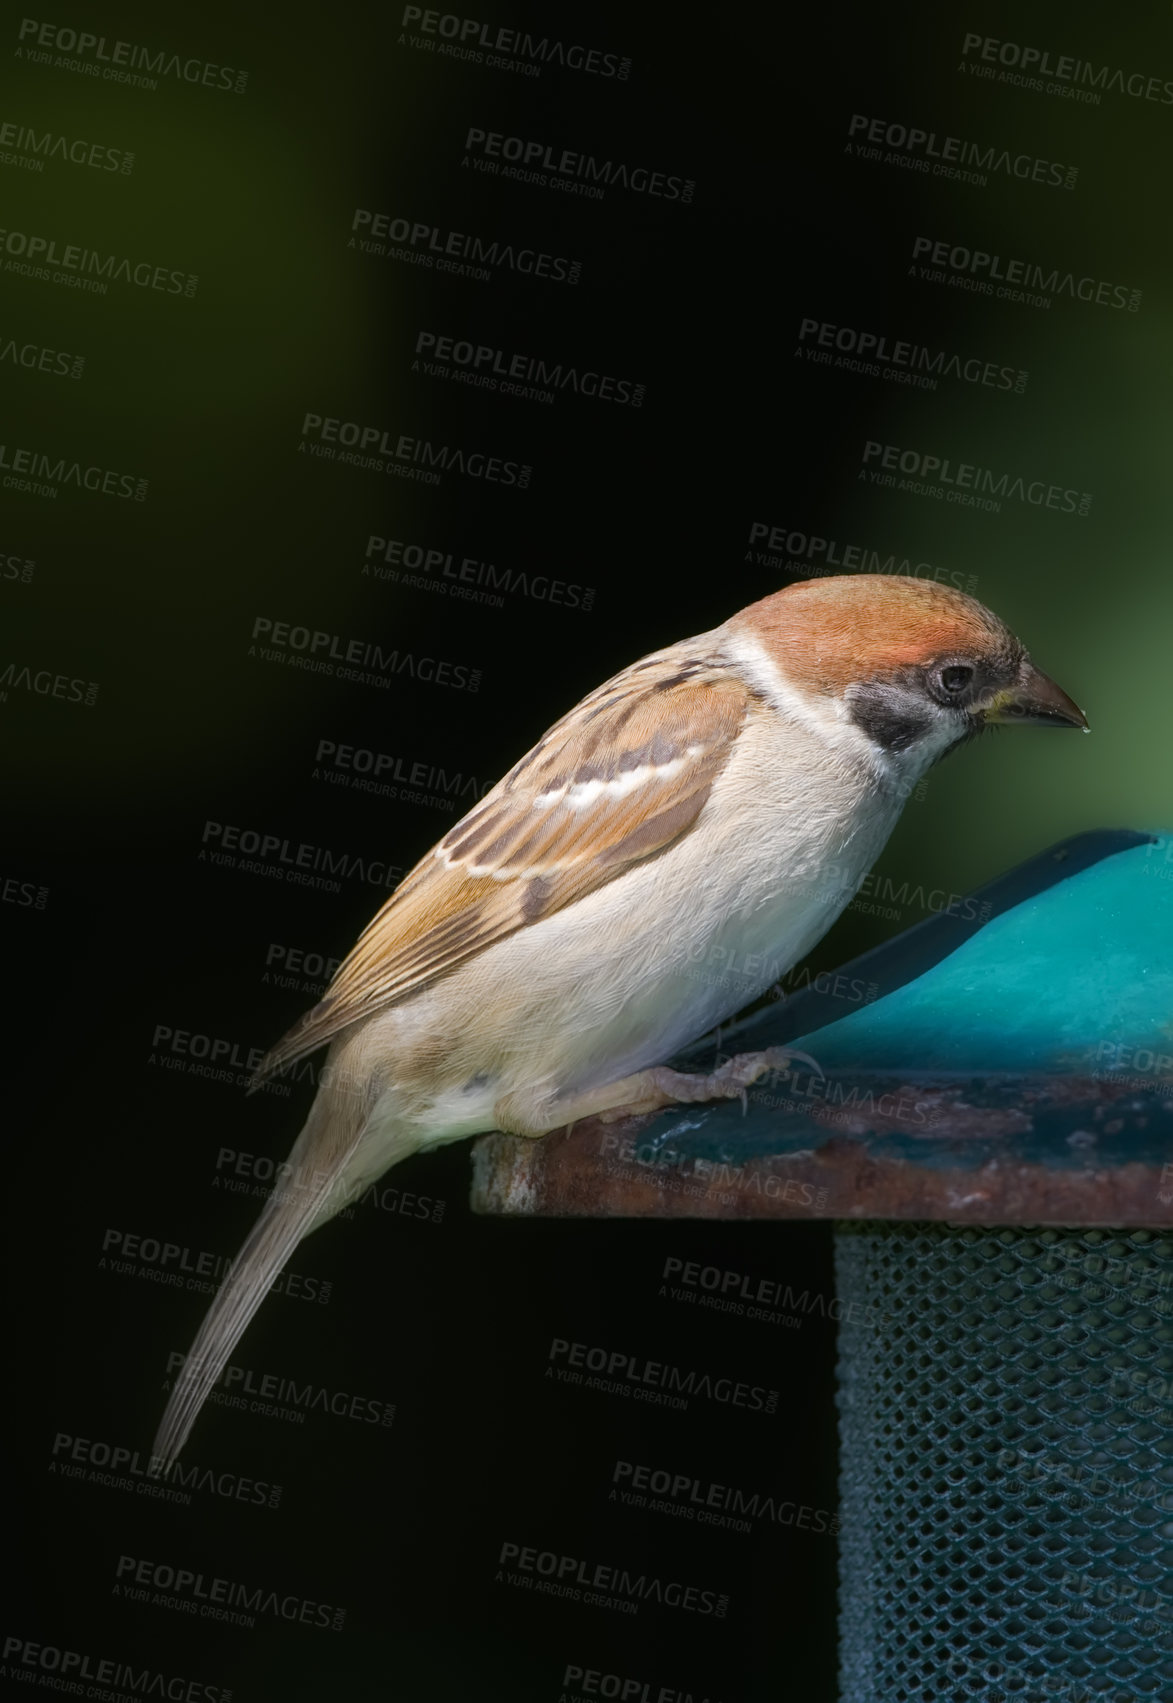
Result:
662,1087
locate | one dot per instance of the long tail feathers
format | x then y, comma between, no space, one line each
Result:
290,1213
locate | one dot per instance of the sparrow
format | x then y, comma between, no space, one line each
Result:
717,802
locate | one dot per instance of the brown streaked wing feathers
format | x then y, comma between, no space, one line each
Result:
512,861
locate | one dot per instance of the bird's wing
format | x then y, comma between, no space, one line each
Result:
618,779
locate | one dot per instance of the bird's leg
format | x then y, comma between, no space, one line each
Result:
660,1087
646,1091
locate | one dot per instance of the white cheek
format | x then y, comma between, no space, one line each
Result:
828,718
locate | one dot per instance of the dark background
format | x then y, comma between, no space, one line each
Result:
115,928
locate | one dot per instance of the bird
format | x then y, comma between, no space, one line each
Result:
718,801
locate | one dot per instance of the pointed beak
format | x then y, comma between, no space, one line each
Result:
1034,700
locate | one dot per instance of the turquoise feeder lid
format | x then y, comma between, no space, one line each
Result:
1075,976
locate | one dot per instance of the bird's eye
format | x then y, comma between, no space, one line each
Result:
955,679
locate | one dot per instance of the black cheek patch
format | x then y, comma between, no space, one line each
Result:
890,717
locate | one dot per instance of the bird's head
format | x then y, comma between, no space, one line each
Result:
913,666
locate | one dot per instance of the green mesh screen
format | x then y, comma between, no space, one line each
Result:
1006,1421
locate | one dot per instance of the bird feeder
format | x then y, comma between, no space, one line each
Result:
993,1135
